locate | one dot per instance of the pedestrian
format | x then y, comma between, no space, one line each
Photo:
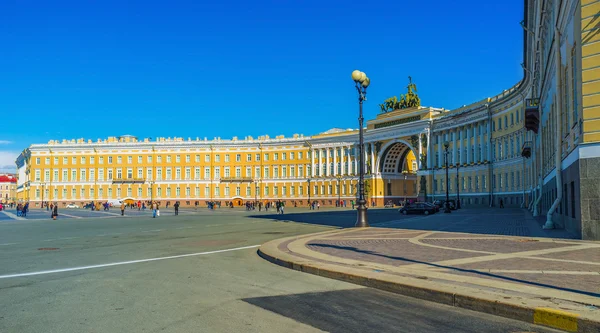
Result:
176,205
154,209
501,203
54,212
122,209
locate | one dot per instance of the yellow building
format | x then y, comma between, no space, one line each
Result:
534,145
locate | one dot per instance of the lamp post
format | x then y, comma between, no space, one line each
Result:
361,82
43,184
339,181
309,203
457,188
447,203
256,191
405,173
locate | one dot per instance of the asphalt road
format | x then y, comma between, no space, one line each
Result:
197,272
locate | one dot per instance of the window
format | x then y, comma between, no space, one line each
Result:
248,172
100,174
37,160
207,158
499,124
100,160
226,157
217,172
129,191
82,177
159,159
206,173
266,190
206,192
275,156
188,173
299,155
119,173
168,192
227,175
177,158
177,191
512,119
257,157
248,191
82,159
197,192
197,173
178,173
238,172
292,154
483,181
140,161
129,159
159,192
168,158
74,160
168,174
65,177
276,172
292,172
149,159
518,114
119,159
284,172
505,121
283,156
266,172
47,160
257,172
56,160
248,157
197,158
238,157
217,158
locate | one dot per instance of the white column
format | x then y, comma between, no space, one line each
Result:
349,166
420,151
454,147
312,163
328,166
335,169
372,158
355,164
488,141
476,142
429,149
440,144
468,144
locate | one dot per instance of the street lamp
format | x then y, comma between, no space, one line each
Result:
361,82
457,188
447,203
405,173
339,181
309,203
43,184
256,191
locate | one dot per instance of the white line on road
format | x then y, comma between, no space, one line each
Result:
62,270
71,216
11,215
7,244
48,240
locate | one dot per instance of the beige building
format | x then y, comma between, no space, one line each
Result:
8,188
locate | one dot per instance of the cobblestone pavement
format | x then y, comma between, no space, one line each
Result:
562,265
524,274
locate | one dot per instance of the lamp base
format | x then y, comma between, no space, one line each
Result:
361,215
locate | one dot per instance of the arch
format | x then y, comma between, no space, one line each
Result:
388,146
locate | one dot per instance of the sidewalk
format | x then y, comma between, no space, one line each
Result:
552,282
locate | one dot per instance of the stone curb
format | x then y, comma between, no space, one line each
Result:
540,315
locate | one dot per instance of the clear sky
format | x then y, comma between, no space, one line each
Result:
93,69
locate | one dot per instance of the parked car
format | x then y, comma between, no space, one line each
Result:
442,204
436,208
72,205
417,208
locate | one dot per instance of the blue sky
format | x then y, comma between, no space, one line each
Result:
227,68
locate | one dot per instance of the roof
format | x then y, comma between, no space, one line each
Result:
7,179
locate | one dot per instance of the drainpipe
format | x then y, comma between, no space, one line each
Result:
558,156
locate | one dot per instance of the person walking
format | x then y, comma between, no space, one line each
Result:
176,205
501,203
54,212
154,209
122,208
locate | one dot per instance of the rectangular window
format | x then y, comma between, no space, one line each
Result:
218,158
74,160
197,158
299,155
292,171
168,192
207,158
159,192
226,157
217,172
168,174
266,157
284,172
37,161
197,173
248,157
129,159
83,160
238,191
197,192
257,157
188,173
177,191
65,176
257,172
119,173
238,172
140,160
238,157
177,158
266,172
227,175
283,156
119,159
275,190
178,173
206,192
206,173
248,191
292,154
159,159
275,156
300,190
276,172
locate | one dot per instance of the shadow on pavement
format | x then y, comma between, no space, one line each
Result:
372,310
456,269
336,218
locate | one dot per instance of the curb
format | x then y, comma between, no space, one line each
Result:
558,319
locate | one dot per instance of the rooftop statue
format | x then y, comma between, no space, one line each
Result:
411,99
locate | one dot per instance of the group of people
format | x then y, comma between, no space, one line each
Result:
22,209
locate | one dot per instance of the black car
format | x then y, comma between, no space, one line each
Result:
417,208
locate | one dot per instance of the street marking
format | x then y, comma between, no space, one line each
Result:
68,238
72,216
7,244
156,230
556,318
48,240
62,270
11,215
